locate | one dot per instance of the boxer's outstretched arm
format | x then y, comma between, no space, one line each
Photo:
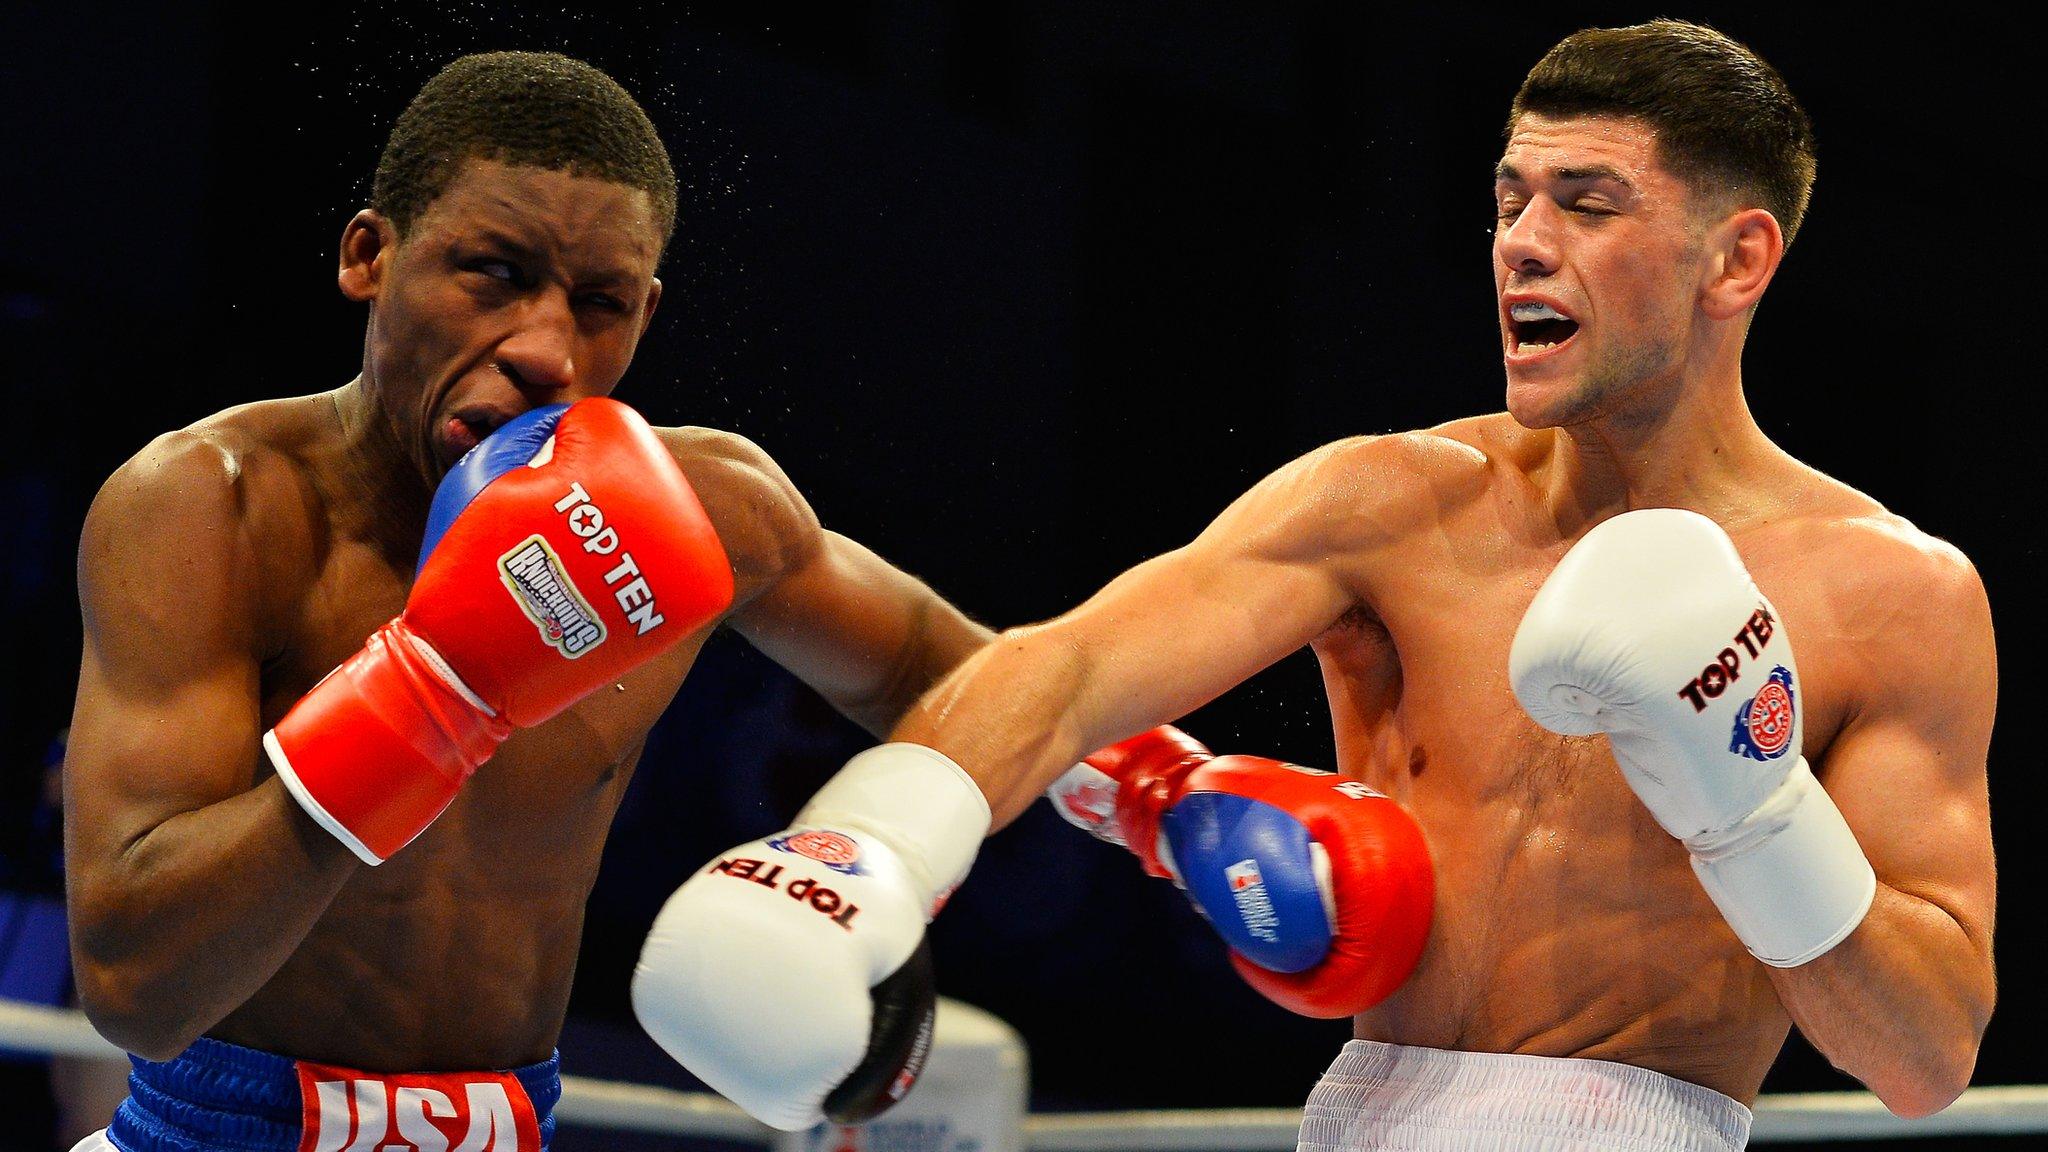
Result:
189,884
1901,1004
868,636
1173,633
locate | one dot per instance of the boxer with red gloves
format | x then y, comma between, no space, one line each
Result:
425,621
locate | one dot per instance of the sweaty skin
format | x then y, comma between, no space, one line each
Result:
1568,923
229,566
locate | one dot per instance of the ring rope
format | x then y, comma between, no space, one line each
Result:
1805,1116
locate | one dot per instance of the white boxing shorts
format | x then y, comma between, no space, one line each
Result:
1389,1098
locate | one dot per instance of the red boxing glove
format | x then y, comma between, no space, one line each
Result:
562,552
1322,886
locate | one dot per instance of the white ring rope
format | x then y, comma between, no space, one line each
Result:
1810,1116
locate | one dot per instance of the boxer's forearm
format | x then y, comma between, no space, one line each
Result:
1014,715
1900,1004
198,914
943,639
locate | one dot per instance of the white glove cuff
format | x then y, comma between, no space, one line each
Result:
1790,877
914,799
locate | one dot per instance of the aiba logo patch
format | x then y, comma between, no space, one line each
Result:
834,850
1764,723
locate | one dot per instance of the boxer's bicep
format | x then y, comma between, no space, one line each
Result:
1909,769
167,712
867,635
1164,638
1280,566
1177,631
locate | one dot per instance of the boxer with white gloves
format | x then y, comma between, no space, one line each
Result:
1578,986
1658,598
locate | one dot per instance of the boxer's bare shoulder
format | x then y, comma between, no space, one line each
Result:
1367,492
1898,626
767,527
222,508
1874,594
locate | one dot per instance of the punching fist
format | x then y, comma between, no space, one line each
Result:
1321,886
560,553
1651,631
791,974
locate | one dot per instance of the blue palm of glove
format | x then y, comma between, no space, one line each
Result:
1251,869
514,444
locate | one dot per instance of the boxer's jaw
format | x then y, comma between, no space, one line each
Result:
1594,259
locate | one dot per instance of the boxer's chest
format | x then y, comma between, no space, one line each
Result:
1421,682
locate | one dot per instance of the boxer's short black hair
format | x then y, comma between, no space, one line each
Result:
530,109
1725,120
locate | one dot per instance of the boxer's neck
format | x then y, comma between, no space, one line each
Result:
1699,448
378,475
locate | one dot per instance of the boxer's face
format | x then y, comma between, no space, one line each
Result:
1596,261
517,287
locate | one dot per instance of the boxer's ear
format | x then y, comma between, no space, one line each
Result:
1742,253
367,245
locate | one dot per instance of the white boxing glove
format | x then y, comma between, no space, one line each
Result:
791,974
1651,631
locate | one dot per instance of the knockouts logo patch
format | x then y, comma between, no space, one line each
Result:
537,580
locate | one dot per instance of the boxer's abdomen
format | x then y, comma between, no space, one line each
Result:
458,952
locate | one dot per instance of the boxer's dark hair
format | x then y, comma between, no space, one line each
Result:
1725,120
531,109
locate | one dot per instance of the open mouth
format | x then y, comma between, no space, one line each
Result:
468,427
1537,327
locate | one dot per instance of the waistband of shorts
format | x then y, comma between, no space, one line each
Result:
216,1095
1527,1097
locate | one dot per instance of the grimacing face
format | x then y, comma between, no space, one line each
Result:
516,288
1596,267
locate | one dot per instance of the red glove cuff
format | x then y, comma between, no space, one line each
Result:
377,750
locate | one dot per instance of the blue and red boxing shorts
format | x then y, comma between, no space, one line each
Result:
220,1096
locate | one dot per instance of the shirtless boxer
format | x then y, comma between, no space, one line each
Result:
226,804
1616,956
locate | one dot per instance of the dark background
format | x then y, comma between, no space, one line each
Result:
1018,294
